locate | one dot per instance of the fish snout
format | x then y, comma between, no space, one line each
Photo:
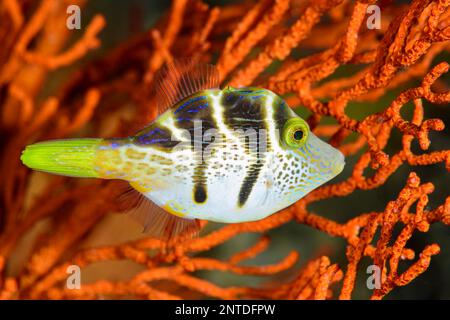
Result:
337,163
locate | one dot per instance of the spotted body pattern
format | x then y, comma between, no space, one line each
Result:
231,155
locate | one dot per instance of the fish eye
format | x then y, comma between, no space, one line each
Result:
295,132
298,135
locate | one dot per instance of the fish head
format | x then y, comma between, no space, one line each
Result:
310,160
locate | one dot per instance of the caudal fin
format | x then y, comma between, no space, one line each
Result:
71,157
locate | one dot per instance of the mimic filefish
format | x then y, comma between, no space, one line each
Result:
230,155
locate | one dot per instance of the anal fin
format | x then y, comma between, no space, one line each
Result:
156,221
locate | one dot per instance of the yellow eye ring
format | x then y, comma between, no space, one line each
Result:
295,132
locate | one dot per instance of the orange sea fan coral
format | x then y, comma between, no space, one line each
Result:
255,43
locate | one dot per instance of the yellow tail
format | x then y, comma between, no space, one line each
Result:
71,157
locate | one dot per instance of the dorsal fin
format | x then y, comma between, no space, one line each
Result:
156,222
181,78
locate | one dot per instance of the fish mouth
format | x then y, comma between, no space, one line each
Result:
338,163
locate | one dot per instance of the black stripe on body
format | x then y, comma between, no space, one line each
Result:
200,192
281,111
198,108
243,111
249,181
247,112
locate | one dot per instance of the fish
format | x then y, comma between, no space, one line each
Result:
226,155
